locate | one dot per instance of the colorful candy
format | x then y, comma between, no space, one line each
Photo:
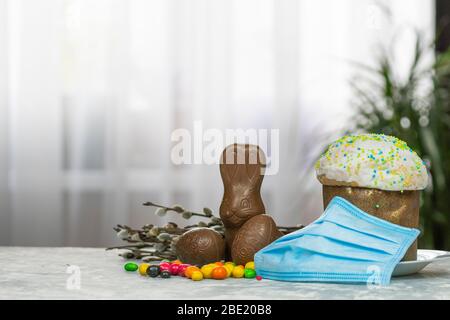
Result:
143,269
182,268
217,270
174,269
238,272
197,276
130,266
153,271
249,273
165,265
219,273
165,274
189,270
207,270
230,268
250,265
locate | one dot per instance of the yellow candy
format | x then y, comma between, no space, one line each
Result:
238,272
250,265
229,267
190,270
207,270
197,276
143,269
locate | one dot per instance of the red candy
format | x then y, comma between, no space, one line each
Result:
181,268
164,266
174,268
259,278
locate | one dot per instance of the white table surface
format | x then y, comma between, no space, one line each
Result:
41,273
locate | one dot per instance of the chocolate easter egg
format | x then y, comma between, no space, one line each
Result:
254,235
200,246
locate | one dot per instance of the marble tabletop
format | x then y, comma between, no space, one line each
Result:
93,273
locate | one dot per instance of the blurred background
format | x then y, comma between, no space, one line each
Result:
90,92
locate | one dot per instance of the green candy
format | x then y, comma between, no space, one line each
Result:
130,266
249,273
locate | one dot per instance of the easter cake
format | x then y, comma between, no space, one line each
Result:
379,174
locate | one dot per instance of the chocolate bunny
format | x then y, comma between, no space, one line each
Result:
242,170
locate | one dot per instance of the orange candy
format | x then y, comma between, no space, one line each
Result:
190,270
176,262
219,273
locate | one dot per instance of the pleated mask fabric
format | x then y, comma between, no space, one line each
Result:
345,244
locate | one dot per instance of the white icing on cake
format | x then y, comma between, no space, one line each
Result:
373,161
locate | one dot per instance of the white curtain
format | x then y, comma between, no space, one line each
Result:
91,90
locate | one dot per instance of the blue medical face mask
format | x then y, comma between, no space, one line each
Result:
344,245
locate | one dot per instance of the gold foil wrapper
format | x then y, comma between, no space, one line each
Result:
399,207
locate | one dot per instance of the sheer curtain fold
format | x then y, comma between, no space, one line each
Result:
34,122
4,132
92,90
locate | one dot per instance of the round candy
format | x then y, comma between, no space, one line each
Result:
143,269
165,274
189,270
259,278
153,271
238,272
249,273
250,265
229,268
219,273
130,266
174,268
182,268
207,270
165,265
197,276
176,262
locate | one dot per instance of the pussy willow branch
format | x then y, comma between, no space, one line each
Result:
160,240
175,209
180,210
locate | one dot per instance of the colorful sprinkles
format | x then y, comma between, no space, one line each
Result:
373,161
